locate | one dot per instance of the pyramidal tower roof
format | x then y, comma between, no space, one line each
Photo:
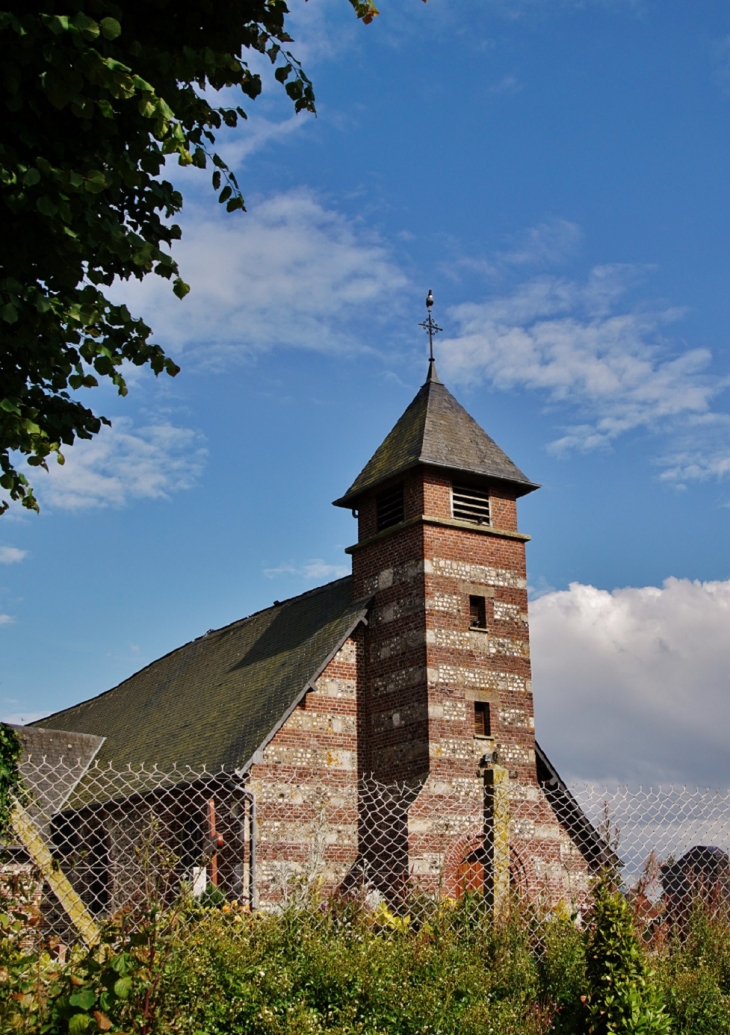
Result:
437,431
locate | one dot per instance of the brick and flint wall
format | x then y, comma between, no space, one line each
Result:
424,668
378,776
306,789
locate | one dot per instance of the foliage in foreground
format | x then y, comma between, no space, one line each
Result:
212,971
622,995
96,97
694,978
10,752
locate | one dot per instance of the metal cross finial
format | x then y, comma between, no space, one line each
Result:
430,325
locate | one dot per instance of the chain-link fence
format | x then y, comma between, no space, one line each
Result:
99,840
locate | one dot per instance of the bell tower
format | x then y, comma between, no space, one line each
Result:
446,690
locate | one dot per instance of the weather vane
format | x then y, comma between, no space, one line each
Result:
430,325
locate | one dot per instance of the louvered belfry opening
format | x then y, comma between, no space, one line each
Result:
470,503
390,507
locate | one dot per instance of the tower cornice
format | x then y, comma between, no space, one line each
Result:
424,519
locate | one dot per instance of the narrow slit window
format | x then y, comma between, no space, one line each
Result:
390,507
477,613
482,719
470,504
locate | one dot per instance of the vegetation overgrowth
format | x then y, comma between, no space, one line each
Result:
10,752
208,970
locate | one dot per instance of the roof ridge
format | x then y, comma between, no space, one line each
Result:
188,643
262,610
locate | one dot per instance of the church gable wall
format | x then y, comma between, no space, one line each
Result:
305,789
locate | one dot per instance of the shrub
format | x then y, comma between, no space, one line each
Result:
562,969
10,751
694,975
208,970
297,974
622,997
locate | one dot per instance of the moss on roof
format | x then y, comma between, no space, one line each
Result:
437,431
216,700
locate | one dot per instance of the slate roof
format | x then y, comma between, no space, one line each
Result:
217,700
592,845
51,765
436,430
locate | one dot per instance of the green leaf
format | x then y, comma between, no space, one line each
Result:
180,288
59,23
225,194
87,26
146,107
85,999
31,178
9,313
95,181
122,987
110,28
46,207
79,1023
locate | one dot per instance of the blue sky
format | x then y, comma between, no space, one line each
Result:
559,174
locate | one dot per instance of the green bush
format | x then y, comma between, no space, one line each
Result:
622,998
694,976
300,974
10,752
217,970
562,968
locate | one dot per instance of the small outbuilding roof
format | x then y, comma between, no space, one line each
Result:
53,762
437,431
220,698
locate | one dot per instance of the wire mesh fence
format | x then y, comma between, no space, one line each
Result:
103,840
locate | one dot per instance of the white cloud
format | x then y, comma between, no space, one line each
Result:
288,273
256,133
6,619
701,454
122,463
633,685
548,242
696,465
323,30
314,569
293,273
11,555
584,347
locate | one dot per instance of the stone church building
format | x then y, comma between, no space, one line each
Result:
382,723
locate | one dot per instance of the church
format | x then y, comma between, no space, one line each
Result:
383,721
